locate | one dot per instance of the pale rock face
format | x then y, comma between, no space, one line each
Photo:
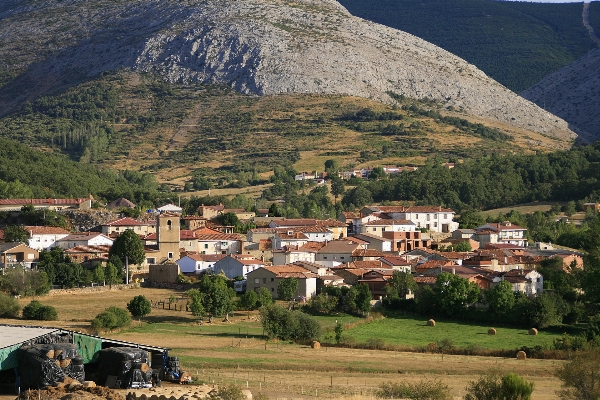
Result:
269,47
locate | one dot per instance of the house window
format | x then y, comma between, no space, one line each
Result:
445,216
170,255
416,216
257,280
324,257
383,229
374,229
272,290
435,224
206,245
169,224
272,279
428,217
151,260
264,281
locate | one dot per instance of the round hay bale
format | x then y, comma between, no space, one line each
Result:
521,355
431,347
430,322
492,331
315,345
247,394
533,331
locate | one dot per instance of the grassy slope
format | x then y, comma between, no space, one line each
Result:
516,43
138,122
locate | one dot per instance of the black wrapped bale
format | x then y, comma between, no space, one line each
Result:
44,365
121,362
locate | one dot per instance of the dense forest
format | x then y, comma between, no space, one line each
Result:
516,43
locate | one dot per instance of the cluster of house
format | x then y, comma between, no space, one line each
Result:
363,247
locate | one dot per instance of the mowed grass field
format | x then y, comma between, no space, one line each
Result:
236,352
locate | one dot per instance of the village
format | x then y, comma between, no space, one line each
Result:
365,247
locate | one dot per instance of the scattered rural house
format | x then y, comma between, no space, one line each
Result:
379,226
48,204
337,228
407,241
84,239
116,227
288,238
88,256
434,219
361,254
198,263
423,281
591,206
305,176
290,254
529,282
237,265
506,232
193,222
337,252
401,264
220,243
210,212
45,237
433,267
463,233
270,277
13,254
355,221
121,202
377,280
351,276
375,242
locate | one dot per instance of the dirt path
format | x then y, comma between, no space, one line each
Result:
586,23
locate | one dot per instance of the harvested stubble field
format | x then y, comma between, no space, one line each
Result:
236,353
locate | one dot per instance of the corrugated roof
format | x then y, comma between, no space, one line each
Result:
13,335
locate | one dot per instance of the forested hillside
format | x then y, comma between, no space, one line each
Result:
516,43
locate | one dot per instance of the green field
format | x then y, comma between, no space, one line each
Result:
412,332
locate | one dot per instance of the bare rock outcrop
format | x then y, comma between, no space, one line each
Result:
262,47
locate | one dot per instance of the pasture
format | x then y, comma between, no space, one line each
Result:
236,352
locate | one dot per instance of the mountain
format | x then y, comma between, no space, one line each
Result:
516,43
262,47
573,93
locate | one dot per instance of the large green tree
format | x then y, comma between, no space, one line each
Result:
501,298
287,288
401,284
14,233
128,244
453,293
139,306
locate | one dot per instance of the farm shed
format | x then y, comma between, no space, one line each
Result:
13,337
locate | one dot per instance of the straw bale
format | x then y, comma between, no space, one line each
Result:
315,345
431,322
533,331
492,331
521,355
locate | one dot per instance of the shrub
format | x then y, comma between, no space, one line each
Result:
432,390
9,306
111,318
229,392
37,311
289,325
495,387
139,306
579,377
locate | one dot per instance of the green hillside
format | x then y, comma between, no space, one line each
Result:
516,43
139,122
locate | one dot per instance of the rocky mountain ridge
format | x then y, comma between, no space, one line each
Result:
262,47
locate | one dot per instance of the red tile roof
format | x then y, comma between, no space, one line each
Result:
220,236
390,222
207,257
88,249
295,222
45,230
290,271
